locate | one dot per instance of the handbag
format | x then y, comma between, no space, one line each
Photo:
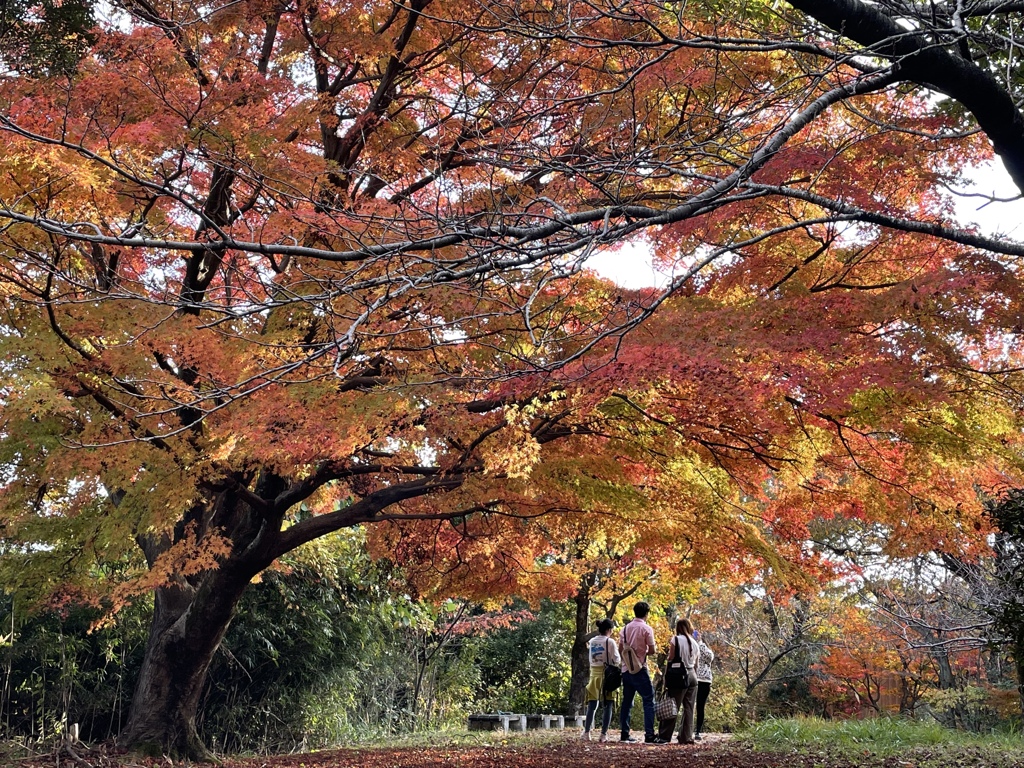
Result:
666,708
612,677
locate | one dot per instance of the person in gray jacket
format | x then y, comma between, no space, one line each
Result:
703,668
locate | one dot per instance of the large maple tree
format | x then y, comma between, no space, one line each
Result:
274,269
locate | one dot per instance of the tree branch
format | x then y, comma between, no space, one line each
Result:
919,59
364,511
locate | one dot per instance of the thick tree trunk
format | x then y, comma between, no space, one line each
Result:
188,626
192,613
580,662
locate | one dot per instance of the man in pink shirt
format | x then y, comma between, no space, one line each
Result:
636,641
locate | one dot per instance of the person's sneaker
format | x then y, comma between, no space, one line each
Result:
654,740
585,736
697,737
627,739
603,738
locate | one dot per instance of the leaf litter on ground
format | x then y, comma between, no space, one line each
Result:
562,751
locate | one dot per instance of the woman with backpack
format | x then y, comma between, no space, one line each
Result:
604,655
681,682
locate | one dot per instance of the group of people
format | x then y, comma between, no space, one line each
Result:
687,680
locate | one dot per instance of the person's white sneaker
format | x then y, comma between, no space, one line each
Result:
603,738
585,736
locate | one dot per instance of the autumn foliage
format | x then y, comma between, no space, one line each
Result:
273,270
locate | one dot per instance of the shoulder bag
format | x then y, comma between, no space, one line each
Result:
630,660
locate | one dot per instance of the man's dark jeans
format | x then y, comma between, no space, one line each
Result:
632,684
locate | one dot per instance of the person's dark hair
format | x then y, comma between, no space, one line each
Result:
604,626
641,609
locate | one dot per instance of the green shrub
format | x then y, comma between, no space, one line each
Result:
724,710
526,667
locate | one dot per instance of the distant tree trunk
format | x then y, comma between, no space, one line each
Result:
186,631
945,669
580,664
1018,660
908,697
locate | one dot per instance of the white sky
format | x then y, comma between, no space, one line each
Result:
997,218
629,265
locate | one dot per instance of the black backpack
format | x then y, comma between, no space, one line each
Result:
675,672
612,677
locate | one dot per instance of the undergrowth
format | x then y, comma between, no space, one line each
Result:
882,736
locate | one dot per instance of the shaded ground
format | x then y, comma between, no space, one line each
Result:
563,751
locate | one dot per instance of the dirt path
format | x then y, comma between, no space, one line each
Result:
571,753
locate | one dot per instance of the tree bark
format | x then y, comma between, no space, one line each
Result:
1018,661
192,613
580,662
188,626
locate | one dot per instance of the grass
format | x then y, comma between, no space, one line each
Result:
881,736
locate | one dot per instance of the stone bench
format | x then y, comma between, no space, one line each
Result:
501,721
545,722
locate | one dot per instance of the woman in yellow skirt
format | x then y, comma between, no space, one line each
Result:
603,650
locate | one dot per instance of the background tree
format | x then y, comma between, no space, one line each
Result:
1007,608
46,37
